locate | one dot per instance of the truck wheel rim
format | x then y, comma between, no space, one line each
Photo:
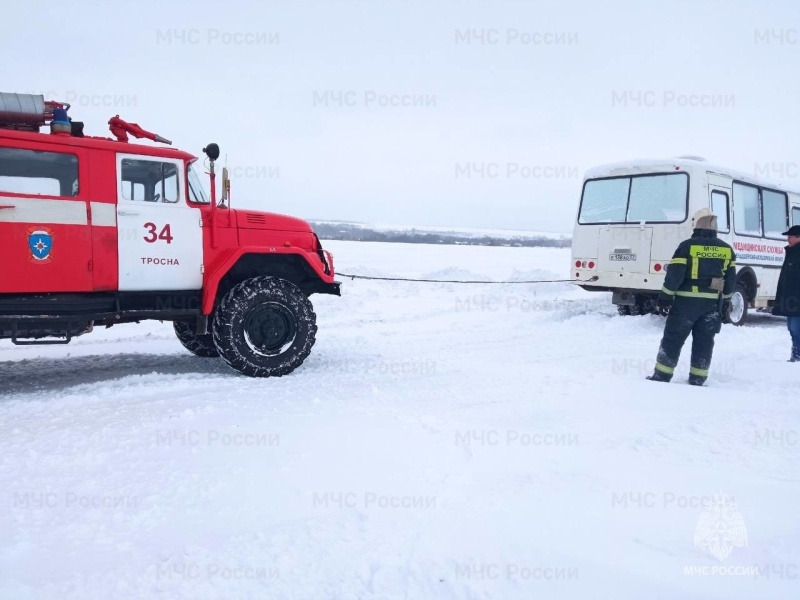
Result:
269,328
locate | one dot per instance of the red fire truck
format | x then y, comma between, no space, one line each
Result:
97,231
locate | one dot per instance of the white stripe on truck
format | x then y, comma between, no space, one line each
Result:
46,212
104,214
41,211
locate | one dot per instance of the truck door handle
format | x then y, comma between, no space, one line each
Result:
127,213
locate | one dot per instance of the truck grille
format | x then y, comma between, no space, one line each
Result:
257,219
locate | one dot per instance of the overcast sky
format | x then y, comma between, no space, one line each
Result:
467,113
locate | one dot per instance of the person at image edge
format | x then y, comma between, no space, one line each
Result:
787,294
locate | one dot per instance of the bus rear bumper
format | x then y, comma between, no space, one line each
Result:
623,283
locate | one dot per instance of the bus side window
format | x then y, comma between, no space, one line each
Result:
746,209
795,215
719,206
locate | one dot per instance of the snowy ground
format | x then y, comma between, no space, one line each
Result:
441,441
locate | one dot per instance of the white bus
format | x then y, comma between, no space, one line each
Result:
633,215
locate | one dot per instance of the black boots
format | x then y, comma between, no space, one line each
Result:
693,379
659,376
696,380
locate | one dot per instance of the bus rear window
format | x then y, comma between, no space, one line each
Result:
643,198
605,200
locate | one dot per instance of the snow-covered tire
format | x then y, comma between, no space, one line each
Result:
200,345
264,327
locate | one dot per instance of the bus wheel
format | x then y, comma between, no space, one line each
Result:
650,305
737,315
624,310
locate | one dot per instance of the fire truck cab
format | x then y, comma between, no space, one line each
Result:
98,231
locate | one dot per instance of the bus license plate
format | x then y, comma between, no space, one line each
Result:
622,257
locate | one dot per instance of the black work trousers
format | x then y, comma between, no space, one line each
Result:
701,318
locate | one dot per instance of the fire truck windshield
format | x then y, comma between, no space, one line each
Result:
196,191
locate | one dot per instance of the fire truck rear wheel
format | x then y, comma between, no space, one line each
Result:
264,327
199,345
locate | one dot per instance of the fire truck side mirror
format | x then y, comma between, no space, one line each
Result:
212,151
226,185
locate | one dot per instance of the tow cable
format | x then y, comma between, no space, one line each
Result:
595,278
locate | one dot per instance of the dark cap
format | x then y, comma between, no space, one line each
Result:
793,230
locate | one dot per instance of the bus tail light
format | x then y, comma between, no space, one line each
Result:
657,268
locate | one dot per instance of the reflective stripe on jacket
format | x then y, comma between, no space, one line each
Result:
695,263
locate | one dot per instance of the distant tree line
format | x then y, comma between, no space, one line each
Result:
356,233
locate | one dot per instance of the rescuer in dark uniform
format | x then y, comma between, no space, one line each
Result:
700,280
787,296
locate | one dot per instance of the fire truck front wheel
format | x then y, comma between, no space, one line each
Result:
198,344
264,327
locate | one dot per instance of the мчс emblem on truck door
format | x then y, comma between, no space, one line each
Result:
40,242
